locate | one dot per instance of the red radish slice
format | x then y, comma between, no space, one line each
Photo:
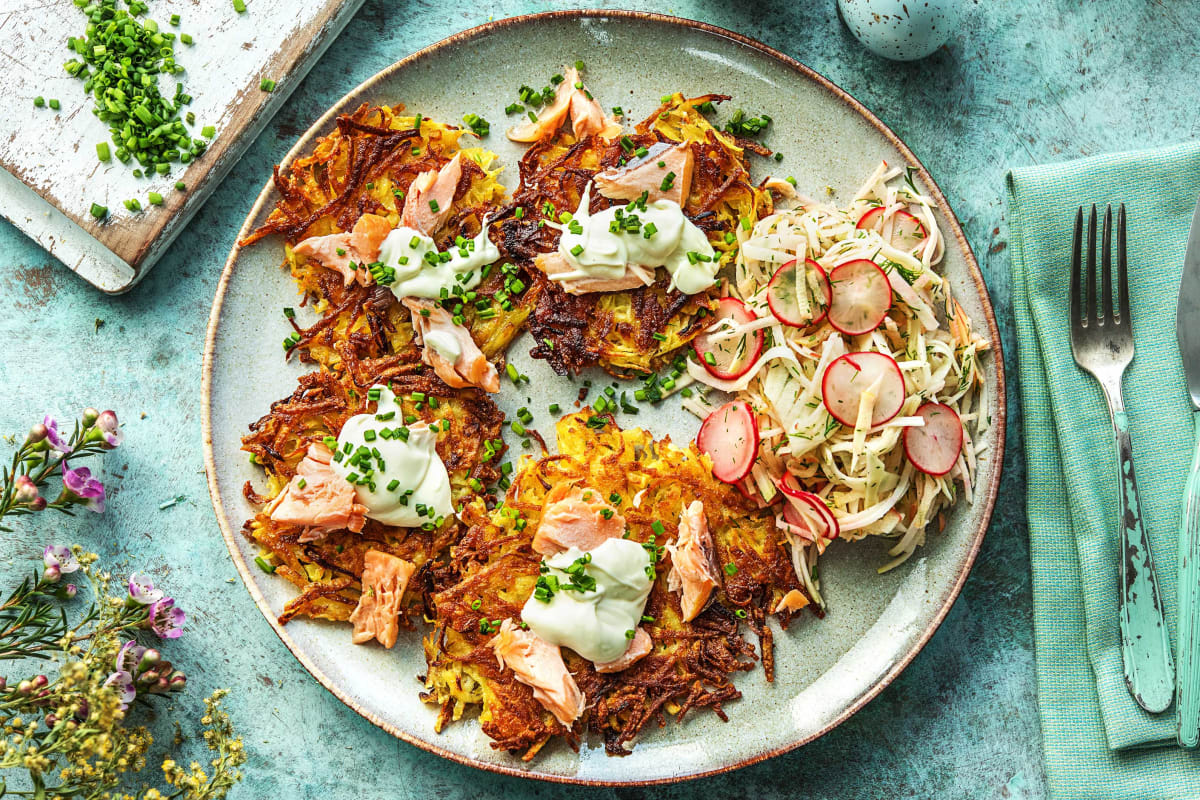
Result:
849,375
784,293
733,356
934,447
872,220
801,501
862,296
907,231
729,436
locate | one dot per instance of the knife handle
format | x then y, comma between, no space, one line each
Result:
1145,645
1188,703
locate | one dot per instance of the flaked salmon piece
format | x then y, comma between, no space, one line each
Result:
692,572
575,517
539,665
555,264
639,647
377,615
794,600
317,497
338,251
427,205
645,175
471,368
587,117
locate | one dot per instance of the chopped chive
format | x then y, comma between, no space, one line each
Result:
155,198
102,151
99,211
186,38
55,104
39,101
208,131
180,186
267,85
239,6
264,565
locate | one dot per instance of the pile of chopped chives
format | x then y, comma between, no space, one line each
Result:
120,60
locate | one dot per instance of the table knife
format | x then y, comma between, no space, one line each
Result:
1187,331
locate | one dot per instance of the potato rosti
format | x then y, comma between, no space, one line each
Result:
628,332
690,663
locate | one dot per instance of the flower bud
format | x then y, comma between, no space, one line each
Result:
26,490
40,681
149,659
161,686
110,429
89,416
38,504
178,681
51,720
84,710
68,592
25,688
3,684
36,434
52,574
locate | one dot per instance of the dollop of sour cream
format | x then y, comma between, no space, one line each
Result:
421,271
445,344
600,245
396,471
595,623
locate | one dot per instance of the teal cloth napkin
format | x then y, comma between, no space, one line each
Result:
1098,742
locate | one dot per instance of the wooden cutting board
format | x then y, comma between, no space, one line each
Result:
51,174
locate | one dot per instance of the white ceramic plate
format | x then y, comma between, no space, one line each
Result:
827,669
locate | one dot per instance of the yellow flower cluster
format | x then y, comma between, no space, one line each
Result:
73,726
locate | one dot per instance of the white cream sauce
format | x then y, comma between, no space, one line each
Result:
590,245
596,624
421,271
378,459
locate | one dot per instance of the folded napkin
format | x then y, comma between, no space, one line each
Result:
1098,742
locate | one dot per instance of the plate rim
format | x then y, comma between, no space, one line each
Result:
319,126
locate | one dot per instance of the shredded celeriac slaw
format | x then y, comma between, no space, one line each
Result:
861,472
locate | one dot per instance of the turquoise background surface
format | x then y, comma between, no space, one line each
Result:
1020,82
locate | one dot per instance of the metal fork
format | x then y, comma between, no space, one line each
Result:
1102,343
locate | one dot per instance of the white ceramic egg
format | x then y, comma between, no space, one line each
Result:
901,30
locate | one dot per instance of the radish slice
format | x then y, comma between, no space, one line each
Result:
934,447
849,375
907,231
799,297
807,510
872,220
862,296
729,436
730,357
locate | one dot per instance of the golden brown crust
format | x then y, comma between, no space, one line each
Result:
691,663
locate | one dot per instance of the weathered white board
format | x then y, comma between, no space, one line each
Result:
51,175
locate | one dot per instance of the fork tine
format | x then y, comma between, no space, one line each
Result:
1105,313
1076,271
1090,315
1122,277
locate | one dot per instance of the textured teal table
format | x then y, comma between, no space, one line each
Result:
1020,82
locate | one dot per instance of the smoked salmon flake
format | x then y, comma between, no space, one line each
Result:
539,665
377,616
